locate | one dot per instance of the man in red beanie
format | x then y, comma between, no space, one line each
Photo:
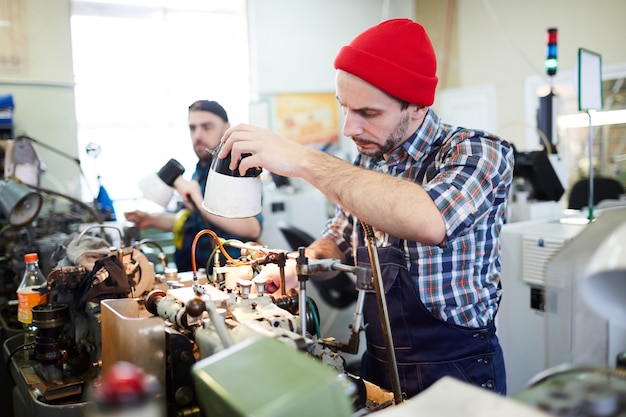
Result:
435,196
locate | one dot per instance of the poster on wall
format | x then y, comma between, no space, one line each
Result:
13,38
307,118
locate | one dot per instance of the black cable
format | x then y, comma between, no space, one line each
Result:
63,154
19,348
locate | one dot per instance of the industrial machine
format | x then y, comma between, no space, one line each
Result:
221,343
527,247
112,301
562,326
109,306
561,323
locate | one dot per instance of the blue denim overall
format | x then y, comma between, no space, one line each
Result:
426,348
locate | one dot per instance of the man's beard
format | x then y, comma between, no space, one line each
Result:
205,159
394,139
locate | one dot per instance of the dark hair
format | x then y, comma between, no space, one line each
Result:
210,106
403,103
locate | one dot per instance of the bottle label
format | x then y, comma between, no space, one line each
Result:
27,298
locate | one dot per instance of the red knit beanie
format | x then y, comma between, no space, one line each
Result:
395,56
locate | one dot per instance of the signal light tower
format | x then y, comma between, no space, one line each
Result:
547,106
552,62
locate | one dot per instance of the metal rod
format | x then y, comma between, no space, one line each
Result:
302,278
357,317
590,145
281,271
383,313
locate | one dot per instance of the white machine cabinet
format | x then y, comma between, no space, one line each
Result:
526,249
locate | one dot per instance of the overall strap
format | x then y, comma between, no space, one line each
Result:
430,158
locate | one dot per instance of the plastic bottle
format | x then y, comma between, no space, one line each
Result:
28,295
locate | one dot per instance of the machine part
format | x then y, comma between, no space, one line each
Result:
577,392
288,302
158,304
179,383
121,318
181,313
161,256
259,283
54,372
33,395
50,347
221,329
303,277
18,203
245,286
65,279
139,269
363,283
327,356
195,307
297,383
217,320
265,312
251,317
356,327
359,397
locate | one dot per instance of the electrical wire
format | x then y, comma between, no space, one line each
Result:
219,245
14,351
218,249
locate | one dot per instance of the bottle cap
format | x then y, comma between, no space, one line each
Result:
31,257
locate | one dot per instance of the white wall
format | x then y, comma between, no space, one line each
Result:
491,43
503,43
295,42
43,93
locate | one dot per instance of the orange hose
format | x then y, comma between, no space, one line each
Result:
219,245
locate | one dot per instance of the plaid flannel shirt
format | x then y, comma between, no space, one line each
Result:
468,176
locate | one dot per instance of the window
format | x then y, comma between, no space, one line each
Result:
138,65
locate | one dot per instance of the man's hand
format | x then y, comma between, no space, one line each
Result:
190,192
141,219
266,149
271,273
